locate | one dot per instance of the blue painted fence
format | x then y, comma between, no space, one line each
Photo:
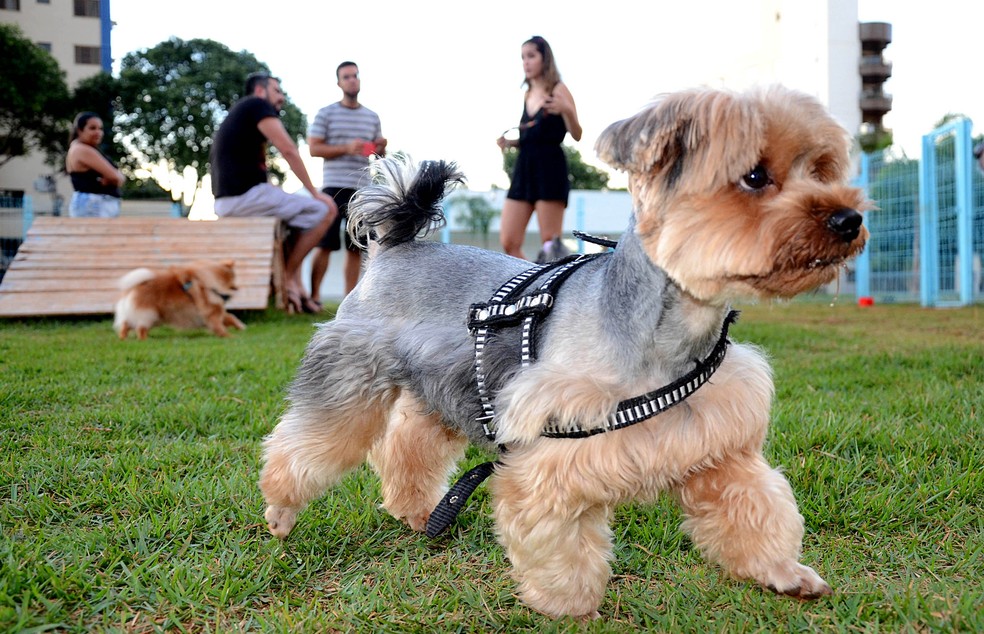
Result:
927,234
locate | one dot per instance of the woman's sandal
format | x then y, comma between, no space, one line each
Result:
310,305
293,303
297,303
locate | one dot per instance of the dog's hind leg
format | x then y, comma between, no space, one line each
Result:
311,450
741,513
414,459
559,543
340,401
231,320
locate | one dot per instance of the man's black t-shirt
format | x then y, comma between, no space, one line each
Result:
238,158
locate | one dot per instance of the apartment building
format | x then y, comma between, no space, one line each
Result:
77,34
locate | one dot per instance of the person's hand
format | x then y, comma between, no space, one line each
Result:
502,143
556,104
355,146
328,200
381,146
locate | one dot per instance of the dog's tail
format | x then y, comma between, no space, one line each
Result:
134,277
403,201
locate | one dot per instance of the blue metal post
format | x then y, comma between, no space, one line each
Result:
28,211
176,209
965,211
862,270
929,248
446,229
579,220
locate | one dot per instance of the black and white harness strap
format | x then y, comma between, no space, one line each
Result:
505,308
508,308
635,410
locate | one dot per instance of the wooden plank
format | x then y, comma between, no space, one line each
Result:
147,227
71,266
132,259
114,273
117,242
94,303
84,282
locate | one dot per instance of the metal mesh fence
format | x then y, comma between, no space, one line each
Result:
893,184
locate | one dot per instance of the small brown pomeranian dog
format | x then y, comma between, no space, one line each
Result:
189,296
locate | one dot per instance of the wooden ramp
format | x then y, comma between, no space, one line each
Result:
70,266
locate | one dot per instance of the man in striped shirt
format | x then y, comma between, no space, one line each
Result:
345,134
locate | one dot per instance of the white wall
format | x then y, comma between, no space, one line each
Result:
809,46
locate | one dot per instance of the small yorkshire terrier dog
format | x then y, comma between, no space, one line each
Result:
735,195
189,296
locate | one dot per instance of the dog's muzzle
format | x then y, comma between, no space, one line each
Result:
845,223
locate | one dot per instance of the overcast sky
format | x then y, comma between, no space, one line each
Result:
445,77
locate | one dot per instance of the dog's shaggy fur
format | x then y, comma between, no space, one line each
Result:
734,195
190,296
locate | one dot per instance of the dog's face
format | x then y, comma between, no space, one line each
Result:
209,283
740,194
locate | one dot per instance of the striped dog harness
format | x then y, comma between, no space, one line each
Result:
510,307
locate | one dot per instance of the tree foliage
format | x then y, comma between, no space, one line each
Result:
476,213
875,140
34,98
582,175
174,96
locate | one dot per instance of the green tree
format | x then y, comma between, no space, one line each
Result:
476,213
174,96
582,175
34,99
875,140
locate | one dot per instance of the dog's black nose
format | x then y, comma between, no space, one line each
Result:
846,223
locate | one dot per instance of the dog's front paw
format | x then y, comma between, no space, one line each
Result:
280,520
417,522
796,580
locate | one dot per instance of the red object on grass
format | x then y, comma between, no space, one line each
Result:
866,301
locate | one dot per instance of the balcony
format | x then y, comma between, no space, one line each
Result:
874,104
874,69
874,36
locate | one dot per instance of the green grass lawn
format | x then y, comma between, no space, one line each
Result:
128,496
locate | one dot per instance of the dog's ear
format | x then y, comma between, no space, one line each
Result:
184,275
694,130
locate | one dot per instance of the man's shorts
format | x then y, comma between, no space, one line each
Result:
332,241
297,210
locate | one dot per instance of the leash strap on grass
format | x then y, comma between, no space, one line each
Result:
452,503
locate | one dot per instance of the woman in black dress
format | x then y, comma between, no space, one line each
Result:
540,180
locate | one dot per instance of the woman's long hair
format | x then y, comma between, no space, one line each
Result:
549,72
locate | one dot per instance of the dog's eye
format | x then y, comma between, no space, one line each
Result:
755,179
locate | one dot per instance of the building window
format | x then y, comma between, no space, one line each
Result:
10,5
45,46
87,55
87,8
44,1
